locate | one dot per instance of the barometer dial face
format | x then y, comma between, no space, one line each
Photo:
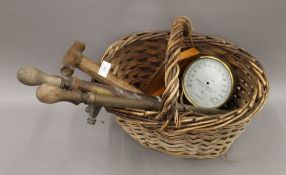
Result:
207,82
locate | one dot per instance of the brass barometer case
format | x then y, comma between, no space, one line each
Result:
208,82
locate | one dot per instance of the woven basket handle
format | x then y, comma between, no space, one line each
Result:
181,28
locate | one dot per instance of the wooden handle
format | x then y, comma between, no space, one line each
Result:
33,77
52,94
91,68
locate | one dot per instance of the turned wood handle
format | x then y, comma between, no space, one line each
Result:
33,77
51,94
72,58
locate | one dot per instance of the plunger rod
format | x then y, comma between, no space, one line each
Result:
34,77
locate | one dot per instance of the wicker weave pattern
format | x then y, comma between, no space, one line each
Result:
193,135
197,144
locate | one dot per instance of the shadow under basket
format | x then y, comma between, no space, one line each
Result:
136,58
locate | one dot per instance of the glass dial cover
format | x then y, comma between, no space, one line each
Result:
208,82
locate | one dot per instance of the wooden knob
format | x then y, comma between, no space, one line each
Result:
33,77
51,94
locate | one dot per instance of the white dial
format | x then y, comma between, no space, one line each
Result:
207,82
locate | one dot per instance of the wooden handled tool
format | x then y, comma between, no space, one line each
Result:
75,59
52,94
33,77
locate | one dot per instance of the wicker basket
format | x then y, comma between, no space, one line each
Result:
184,134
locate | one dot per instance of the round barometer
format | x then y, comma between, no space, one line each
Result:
208,82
